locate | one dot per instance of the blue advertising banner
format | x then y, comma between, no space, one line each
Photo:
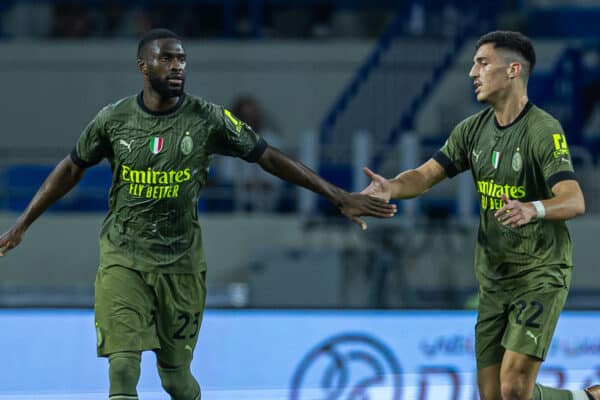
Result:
300,355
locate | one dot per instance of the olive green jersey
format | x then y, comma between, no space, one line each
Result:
523,161
159,164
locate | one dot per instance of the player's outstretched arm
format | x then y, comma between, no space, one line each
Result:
62,179
352,205
408,184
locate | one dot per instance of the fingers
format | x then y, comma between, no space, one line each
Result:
508,206
380,210
515,221
369,173
360,222
513,217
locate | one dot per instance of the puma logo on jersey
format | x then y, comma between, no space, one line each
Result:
128,145
476,155
531,335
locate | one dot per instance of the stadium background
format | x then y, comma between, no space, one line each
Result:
341,84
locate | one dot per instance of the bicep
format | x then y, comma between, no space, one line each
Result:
68,169
568,187
431,172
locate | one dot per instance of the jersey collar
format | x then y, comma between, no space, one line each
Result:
519,117
173,109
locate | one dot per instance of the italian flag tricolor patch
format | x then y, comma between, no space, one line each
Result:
156,144
496,159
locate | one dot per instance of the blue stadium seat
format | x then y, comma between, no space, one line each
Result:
91,194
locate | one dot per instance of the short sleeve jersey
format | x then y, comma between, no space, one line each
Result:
523,161
159,164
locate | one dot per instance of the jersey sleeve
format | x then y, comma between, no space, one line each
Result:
92,145
453,156
232,137
551,152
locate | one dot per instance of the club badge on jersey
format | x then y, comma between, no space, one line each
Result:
187,144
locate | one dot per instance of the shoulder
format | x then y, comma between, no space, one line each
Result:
119,108
540,121
475,120
543,127
202,107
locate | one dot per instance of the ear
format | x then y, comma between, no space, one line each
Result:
142,66
514,70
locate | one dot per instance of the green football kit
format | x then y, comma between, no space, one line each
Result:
150,288
524,273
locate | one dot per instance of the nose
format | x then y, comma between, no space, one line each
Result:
177,64
474,72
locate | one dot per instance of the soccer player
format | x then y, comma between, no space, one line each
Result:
150,285
522,170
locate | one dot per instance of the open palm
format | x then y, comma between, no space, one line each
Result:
379,186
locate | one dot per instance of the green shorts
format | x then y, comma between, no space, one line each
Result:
521,317
137,311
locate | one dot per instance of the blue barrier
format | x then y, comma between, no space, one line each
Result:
304,354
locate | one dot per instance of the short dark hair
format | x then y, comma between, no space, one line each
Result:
514,41
154,34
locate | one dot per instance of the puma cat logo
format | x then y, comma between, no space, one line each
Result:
531,335
128,145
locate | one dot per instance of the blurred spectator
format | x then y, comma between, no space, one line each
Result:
132,22
117,18
255,190
72,20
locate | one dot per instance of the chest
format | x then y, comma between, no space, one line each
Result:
163,144
502,156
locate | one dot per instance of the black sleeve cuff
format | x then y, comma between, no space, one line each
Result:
78,161
257,151
561,176
446,163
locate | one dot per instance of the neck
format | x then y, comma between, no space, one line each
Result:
155,102
509,108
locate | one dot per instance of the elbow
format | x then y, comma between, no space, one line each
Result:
579,207
580,210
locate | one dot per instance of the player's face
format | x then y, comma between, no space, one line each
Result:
490,74
166,67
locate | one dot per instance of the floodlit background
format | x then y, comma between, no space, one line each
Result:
338,84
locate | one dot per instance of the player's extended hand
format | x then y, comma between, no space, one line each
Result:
10,240
379,186
514,213
354,205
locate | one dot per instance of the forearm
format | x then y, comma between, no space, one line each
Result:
563,207
408,184
60,181
293,171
